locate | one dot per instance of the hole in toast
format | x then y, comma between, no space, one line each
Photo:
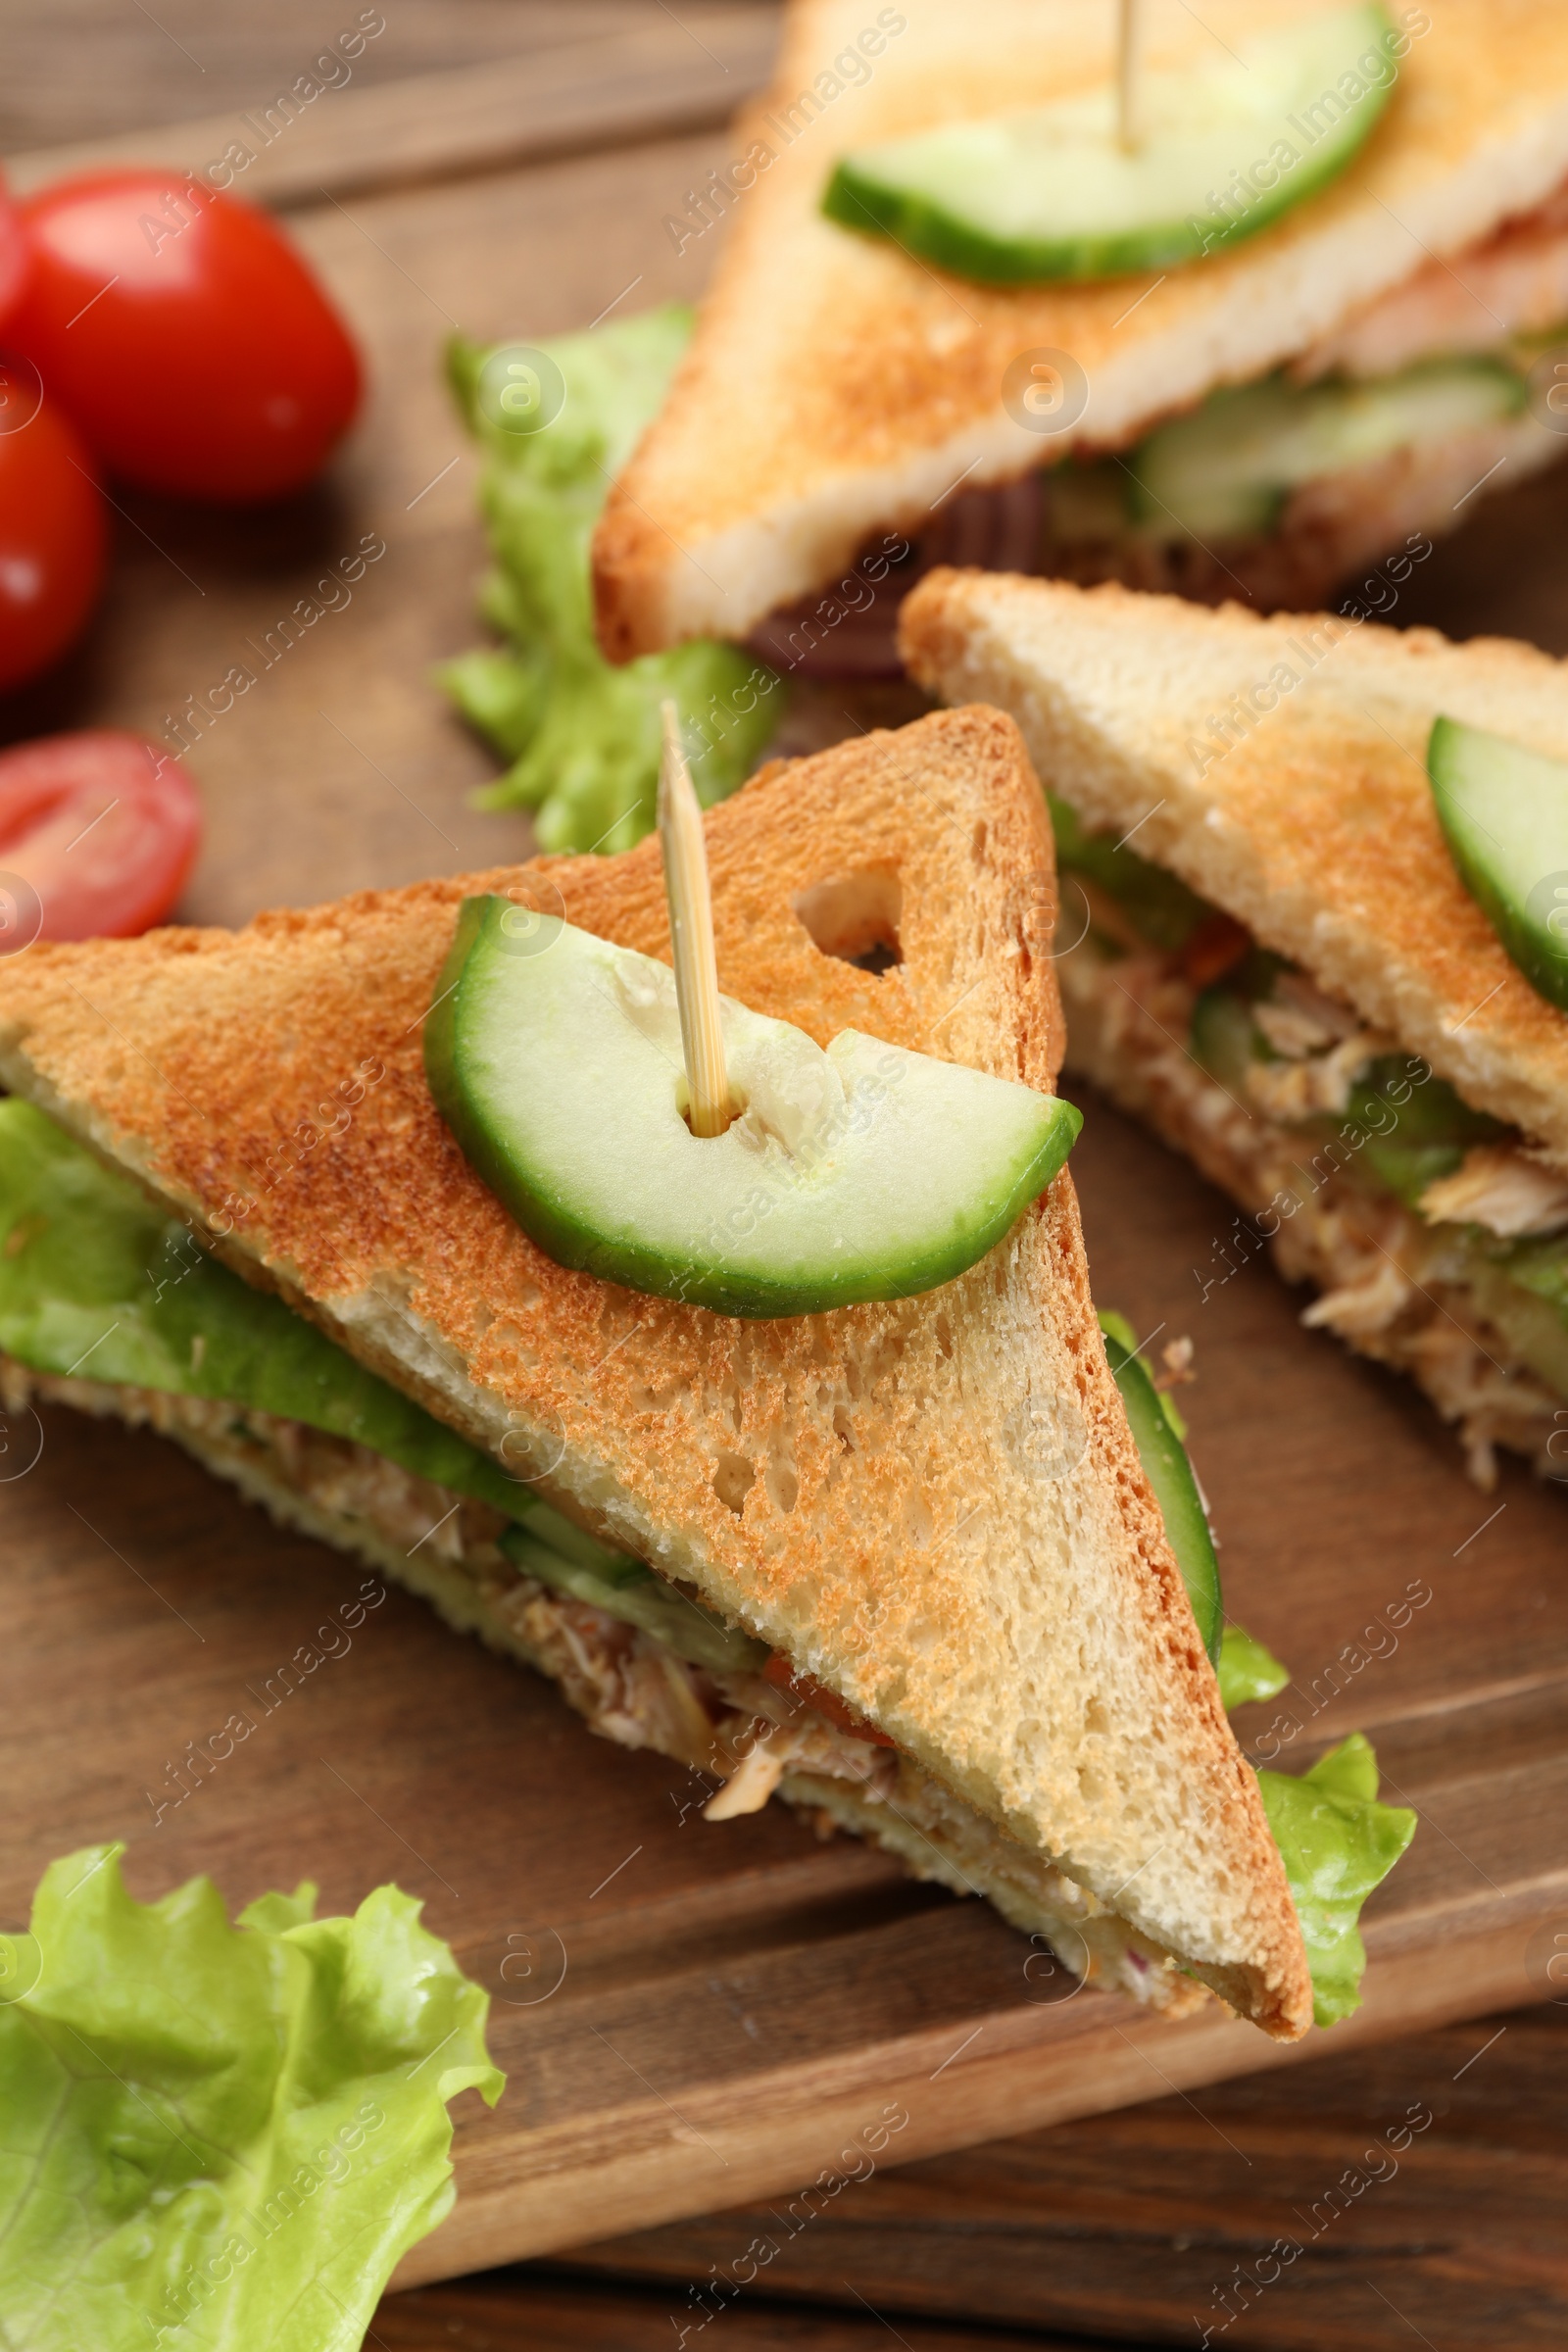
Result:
856,917
733,1480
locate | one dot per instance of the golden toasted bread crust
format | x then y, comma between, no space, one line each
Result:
837,386
912,1501
1279,767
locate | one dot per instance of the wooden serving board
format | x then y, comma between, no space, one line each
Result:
693,2016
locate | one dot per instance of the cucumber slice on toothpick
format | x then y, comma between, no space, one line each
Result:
1050,193
863,1172
1504,811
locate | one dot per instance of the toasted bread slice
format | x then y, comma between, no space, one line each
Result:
1279,769
625,1685
933,1507
837,386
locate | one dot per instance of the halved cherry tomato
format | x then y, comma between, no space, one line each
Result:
51,527
185,334
98,832
809,1692
15,258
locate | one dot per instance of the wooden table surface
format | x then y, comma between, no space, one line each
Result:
1126,2227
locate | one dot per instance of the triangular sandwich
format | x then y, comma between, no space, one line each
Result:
1260,423
934,1596
1271,957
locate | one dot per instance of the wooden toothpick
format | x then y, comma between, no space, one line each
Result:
1129,46
691,929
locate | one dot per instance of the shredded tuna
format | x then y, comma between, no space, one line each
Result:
742,1730
751,1783
1502,1186
626,1684
1369,1304
1394,1286
1309,1083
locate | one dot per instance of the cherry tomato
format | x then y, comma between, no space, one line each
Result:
51,527
185,334
98,832
15,258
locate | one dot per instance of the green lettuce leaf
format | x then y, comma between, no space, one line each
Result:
1338,1843
1161,909
582,734
216,2136
1246,1669
96,1281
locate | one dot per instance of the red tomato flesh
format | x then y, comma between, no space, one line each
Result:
809,1692
51,528
101,828
185,334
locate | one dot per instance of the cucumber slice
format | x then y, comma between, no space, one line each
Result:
1224,1039
1160,906
624,1587
1224,471
863,1172
1050,193
1171,1474
1505,812
1426,1108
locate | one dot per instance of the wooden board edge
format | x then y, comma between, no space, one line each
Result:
658,2166
651,80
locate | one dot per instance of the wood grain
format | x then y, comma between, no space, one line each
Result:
517,2313
713,2014
1138,2221
736,2001
639,74
84,71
